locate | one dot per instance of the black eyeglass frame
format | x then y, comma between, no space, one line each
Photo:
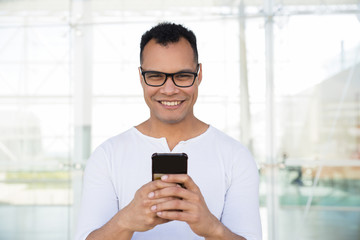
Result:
167,75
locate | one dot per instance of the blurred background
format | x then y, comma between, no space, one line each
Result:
281,76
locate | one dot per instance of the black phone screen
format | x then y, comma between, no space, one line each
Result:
168,163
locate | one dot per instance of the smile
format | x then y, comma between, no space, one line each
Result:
172,103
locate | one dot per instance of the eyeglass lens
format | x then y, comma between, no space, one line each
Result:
180,79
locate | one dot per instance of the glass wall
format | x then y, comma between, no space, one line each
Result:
281,76
35,121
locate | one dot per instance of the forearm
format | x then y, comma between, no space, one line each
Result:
223,233
103,233
111,230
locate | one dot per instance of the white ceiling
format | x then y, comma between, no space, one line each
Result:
141,5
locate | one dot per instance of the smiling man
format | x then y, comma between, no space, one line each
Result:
220,197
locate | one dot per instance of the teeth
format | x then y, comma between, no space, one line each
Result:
170,103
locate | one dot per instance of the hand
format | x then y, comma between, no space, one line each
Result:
137,216
187,204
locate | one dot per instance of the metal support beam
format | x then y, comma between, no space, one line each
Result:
245,126
81,58
271,199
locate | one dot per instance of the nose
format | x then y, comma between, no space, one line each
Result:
169,87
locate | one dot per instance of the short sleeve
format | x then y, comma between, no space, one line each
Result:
99,200
241,210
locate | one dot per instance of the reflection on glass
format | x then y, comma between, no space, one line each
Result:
317,113
317,95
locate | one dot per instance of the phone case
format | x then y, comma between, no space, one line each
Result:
168,163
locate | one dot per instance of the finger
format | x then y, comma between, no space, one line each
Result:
150,187
162,220
175,204
151,202
181,178
176,192
161,200
155,220
175,215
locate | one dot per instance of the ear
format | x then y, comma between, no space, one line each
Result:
140,76
199,78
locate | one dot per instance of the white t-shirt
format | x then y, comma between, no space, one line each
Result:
223,169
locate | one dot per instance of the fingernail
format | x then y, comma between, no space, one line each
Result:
153,208
151,195
158,213
164,177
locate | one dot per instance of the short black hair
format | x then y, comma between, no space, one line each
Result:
165,33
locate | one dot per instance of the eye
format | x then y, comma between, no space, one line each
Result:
184,76
154,76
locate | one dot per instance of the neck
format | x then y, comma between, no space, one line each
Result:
175,132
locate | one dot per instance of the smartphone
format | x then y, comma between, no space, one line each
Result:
168,163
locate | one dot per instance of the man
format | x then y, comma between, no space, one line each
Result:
220,197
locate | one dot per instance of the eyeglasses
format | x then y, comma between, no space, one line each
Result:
180,79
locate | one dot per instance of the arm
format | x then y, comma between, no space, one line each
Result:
193,209
240,218
111,230
241,210
135,217
99,200
100,217
223,233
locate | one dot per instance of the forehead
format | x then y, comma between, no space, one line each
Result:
169,57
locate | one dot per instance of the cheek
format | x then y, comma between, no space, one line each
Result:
193,93
149,93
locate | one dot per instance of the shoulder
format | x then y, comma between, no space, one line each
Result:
232,151
108,149
117,140
226,142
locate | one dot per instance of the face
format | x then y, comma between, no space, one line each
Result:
168,103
